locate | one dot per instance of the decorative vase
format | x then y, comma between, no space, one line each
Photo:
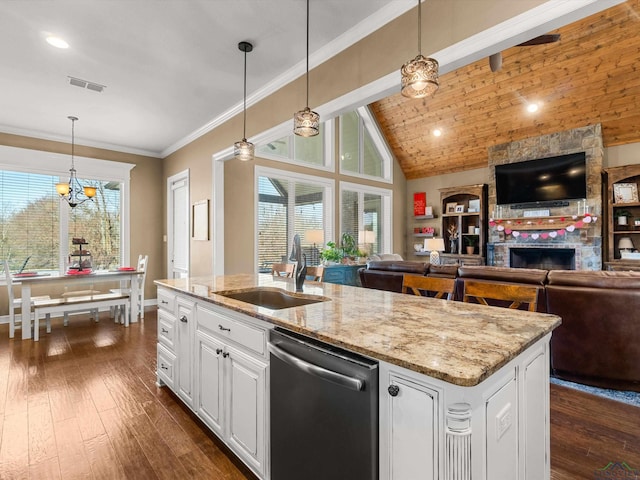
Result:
454,245
470,250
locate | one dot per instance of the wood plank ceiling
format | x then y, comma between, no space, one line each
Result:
590,76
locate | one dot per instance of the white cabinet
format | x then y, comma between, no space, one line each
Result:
166,357
232,380
497,429
408,428
184,349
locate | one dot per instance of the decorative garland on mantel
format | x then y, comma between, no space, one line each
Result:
578,222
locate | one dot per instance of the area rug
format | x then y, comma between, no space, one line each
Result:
632,398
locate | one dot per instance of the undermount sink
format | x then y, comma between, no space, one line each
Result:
273,298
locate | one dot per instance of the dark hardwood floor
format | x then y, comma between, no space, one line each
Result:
82,403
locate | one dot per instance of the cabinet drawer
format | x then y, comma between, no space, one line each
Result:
166,329
225,327
166,300
165,366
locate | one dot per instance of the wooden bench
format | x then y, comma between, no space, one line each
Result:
67,305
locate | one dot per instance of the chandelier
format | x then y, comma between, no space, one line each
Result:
306,123
73,192
420,75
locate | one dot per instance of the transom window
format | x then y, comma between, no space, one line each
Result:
363,150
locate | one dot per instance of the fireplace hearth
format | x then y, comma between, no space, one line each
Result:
543,258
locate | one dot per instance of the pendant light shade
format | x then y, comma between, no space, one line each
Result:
420,75
244,150
73,192
306,123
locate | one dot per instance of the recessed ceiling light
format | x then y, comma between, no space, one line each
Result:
532,107
436,132
56,42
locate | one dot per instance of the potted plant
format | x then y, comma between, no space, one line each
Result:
331,254
471,241
622,216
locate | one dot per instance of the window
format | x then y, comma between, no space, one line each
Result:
365,213
35,224
363,150
289,205
312,152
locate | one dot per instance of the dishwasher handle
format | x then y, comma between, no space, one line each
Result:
310,368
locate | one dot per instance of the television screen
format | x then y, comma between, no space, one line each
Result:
542,180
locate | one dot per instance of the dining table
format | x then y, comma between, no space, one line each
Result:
27,280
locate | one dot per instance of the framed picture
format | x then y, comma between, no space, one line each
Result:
201,220
474,205
625,192
459,208
451,207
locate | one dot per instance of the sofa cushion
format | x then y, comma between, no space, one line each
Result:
504,274
604,279
385,256
399,266
443,271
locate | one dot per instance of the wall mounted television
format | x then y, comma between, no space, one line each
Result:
548,181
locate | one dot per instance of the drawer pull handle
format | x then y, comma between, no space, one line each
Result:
224,329
164,330
225,354
218,351
164,302
163,366
183,319
393,390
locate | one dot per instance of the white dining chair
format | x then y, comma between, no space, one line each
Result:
143,261
16,303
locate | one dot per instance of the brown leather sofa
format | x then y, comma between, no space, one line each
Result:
388,274
598,342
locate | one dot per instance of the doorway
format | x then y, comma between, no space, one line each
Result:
178,226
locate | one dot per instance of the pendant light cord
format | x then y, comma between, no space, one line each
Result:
73,141
420,27
244,118
307,53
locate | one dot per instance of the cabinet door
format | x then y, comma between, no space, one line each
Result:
246,402
410,430
183,352
210,381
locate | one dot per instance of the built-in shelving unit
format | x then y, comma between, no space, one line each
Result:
626,180
471,227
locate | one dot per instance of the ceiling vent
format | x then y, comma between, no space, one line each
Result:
78,82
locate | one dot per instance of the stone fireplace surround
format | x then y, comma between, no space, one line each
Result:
587,241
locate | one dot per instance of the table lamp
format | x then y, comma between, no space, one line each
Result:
435,246
315,237
625,244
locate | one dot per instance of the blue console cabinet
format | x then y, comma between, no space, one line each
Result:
343,274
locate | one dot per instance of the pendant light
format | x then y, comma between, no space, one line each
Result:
306,123
73,192
420,75
243,150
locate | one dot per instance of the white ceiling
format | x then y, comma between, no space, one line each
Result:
171,67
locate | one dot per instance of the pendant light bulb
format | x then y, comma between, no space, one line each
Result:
244,150
306,123
420,75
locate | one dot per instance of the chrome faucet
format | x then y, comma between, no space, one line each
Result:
300,272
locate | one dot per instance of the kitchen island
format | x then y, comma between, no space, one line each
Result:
463,388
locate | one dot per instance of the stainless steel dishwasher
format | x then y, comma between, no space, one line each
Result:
324,410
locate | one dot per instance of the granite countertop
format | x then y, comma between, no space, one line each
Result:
456,342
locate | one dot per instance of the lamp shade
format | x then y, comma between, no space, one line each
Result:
314,236
625,243
434,244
